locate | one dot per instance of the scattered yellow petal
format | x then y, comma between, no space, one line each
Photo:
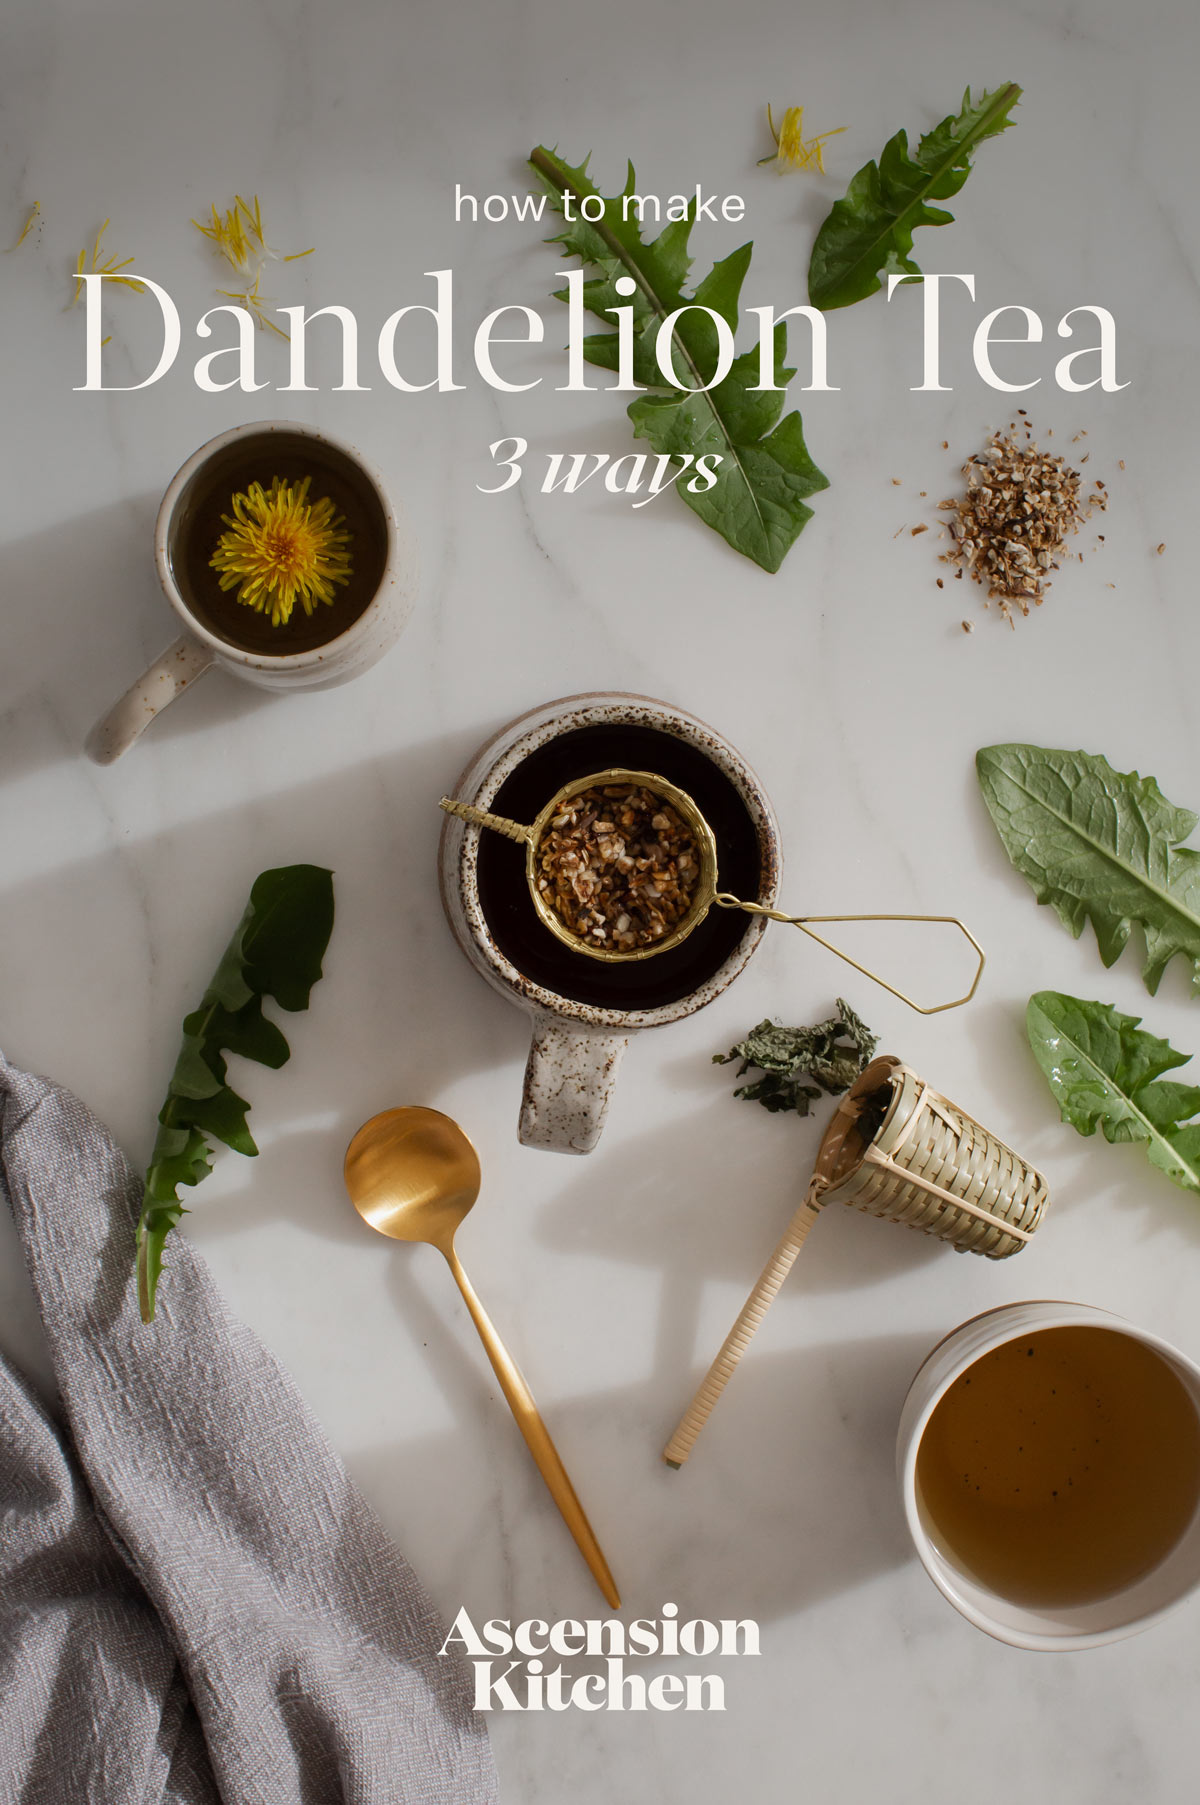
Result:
256,305
792,149
281,548
89,263
239,236
27,228
225,232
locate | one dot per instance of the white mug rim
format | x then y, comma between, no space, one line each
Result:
1061,1314
224,648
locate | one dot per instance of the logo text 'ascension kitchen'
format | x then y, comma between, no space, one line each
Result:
514,1671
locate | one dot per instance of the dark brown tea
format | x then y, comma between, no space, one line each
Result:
1062,1467
198,525
526,940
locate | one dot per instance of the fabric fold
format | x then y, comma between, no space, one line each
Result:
195,1601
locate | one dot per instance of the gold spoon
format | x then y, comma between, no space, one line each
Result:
413,1174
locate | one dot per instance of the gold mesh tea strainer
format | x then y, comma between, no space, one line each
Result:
705,895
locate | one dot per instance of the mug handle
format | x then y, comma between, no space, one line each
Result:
569,1079
159,684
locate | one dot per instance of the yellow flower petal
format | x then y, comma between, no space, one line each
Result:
280,548
27,228
792,149
93,264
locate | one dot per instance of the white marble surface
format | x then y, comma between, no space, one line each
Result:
846,680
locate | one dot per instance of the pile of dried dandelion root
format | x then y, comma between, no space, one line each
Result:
1011,526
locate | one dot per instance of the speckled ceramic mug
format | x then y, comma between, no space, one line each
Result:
583,1011
198,648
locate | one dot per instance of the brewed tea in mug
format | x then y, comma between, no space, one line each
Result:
309,651
1061,1467
202,515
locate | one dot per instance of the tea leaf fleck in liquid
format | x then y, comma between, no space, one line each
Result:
1062,1467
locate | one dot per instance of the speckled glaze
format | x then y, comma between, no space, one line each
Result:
197,649
577,1047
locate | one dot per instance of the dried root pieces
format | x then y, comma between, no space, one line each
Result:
619,866
1011,526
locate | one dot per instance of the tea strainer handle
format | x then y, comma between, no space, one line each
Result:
482,817
724,901
743,1330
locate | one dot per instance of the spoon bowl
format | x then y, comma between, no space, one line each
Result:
412,1174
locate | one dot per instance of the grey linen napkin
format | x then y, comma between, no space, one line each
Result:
195,1603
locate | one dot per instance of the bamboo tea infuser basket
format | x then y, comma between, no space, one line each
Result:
707,895
898,1149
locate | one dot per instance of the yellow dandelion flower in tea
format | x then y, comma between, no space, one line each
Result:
792,149
282,548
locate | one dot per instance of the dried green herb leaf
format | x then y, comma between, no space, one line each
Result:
1106,1071
1099,844
868,233
831,1054
757,501
276,951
